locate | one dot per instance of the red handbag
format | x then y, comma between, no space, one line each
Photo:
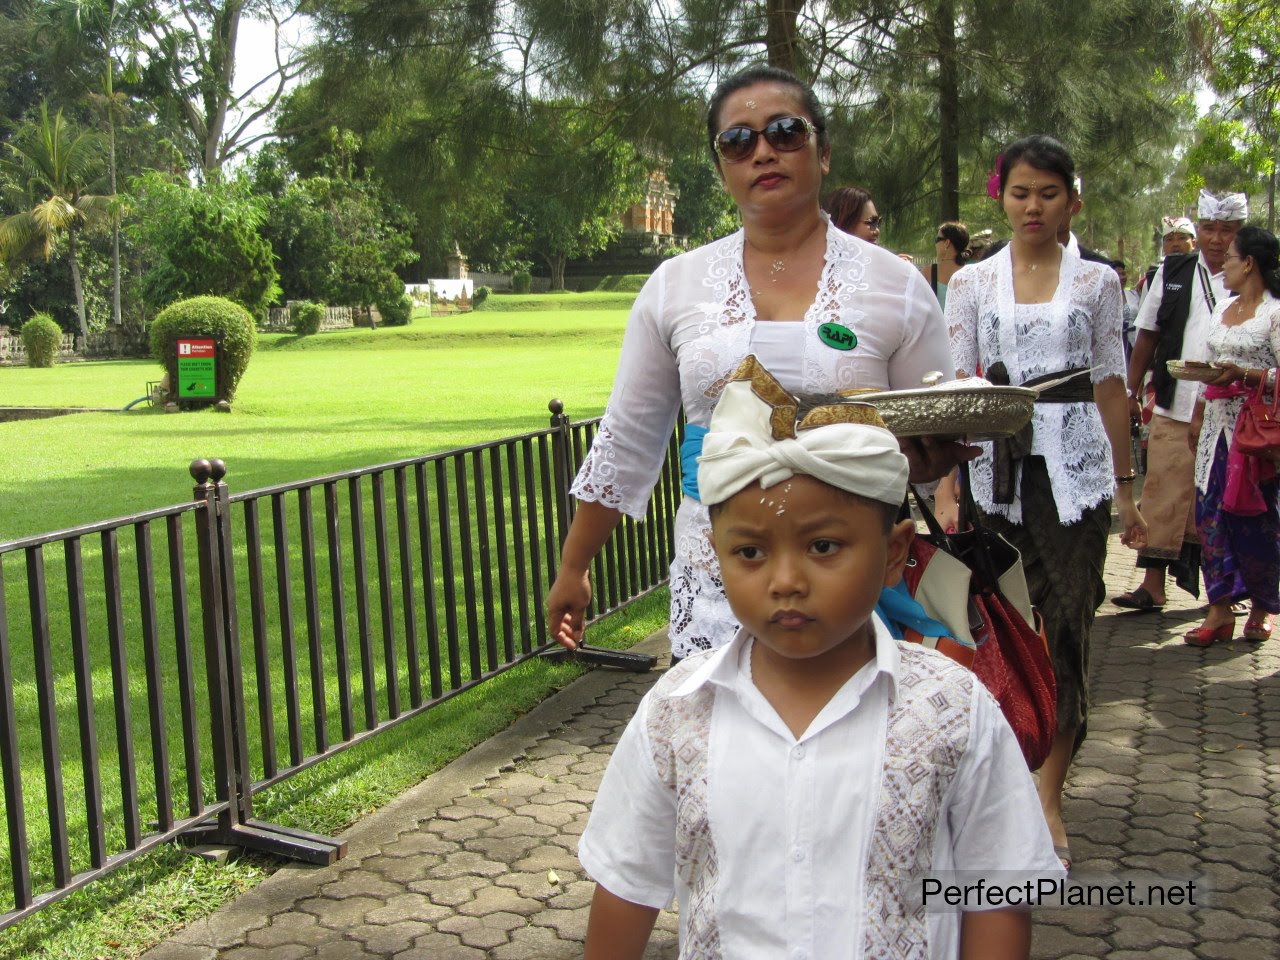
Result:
1012,654
1257,430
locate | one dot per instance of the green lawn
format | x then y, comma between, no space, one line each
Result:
306,407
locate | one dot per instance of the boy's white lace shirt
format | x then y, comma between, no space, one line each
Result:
690,328
782,847
1079,328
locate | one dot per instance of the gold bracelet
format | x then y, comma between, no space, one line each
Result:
1127,478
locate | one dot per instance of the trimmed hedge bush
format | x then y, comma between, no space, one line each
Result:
206,317
521,281
396,312
480,296
306,317
42,337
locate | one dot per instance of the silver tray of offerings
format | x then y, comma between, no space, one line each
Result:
973,408
1197,370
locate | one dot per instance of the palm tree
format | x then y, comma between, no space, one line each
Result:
51,168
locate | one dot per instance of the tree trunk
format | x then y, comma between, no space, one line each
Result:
782,39
948,112
76,286
219,83
116,318
556,261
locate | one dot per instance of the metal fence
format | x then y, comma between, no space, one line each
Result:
213,649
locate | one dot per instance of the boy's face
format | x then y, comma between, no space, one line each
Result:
803,564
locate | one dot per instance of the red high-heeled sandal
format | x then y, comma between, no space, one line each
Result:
1258,630
1208,636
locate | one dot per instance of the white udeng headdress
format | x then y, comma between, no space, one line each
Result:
1170,225
1229,206
754,437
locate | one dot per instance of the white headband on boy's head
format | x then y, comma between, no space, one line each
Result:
1228,207
754,437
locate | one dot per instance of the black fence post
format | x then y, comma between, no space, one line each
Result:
243,778
562,467
212,611
234,783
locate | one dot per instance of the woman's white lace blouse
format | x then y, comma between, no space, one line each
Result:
692,325
1079,327
1253,344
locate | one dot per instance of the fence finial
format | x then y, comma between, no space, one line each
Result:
556,407
201,470
217,469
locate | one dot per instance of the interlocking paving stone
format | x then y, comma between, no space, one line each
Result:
1178,779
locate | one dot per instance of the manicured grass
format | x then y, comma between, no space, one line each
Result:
147,901
307,406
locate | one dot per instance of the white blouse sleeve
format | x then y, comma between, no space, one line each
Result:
924,346
1275,338
962,321
1107,324
623,464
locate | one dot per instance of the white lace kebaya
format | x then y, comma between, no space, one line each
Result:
1079,328
692,325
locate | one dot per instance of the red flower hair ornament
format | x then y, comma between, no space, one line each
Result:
993,182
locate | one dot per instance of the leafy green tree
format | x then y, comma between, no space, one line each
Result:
101,34
339,240
567,199
1237,142
202,241
50,174
190,75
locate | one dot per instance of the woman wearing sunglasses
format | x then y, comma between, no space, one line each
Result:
853,211
824,311
951,248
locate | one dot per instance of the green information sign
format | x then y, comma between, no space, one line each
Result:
197,370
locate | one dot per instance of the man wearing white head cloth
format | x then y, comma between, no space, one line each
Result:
781,786
1172,323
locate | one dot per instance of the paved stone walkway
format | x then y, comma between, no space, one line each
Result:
1178,779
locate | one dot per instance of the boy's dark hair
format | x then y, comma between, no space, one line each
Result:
763,73
1042,153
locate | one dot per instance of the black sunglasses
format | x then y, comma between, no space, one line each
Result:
787,134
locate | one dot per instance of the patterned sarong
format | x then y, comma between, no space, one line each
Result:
1063,564
1240,556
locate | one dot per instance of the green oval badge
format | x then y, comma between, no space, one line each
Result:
837,337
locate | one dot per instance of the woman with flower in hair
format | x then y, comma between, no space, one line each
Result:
1030,313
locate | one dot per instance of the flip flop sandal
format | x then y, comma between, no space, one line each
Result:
1140,599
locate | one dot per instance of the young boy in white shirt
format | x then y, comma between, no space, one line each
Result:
794,789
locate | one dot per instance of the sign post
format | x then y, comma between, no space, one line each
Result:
197,371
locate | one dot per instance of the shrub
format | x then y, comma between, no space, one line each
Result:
214,317
480,296
42,337
521,281
306,317
397,311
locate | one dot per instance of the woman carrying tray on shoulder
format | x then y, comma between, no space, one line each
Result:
1036,312
1236,514
823,310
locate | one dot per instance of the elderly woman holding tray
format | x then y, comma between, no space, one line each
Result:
1236,514
825,311
1034,312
